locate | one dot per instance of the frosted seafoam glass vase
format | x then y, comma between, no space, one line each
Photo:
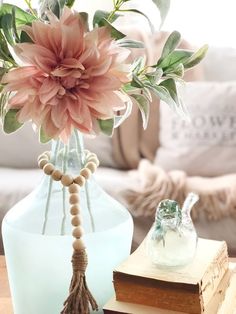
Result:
38,242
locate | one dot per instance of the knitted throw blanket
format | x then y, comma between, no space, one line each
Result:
217,195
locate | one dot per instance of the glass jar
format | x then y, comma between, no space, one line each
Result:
38,242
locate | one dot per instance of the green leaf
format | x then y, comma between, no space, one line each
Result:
4,51
55,6
141,13
84,16
136,82
24,38
99,16
144,107
114,32
21,16
3,102
130,43
70,3
121,118
14,29
2,72
138,64
170,85
128,88
179,106
154,76
196,57
162,93
106,126
163,6
170,44
43,137
10,122
176,72
174,59
6,25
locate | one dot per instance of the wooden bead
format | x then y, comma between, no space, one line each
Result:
66,179
86,152
48,168
42,163
79,180
95,160
86,173
91,155
78,245
74,198
78,232
91,166
76,221
56,175
42,156
73,188
75,209
48,154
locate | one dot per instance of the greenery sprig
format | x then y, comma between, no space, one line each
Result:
158,80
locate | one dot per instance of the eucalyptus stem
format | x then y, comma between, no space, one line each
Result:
49,193
117,5
28,3
65,155
81,161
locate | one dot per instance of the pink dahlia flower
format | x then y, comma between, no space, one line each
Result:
70,77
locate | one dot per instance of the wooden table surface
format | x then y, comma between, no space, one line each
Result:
5,297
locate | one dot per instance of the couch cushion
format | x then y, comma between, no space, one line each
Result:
22,148
207,145
220,64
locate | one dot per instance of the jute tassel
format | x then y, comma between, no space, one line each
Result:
80,297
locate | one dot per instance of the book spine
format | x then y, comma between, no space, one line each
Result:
175,300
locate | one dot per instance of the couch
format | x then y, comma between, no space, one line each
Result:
19,174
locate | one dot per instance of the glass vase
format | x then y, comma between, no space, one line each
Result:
38,242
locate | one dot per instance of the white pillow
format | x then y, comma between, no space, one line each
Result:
22,148
207,145
220,64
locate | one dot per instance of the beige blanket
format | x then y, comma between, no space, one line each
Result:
217,195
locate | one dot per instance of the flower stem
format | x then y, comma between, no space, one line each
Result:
49,194
65,155
28,2
80,157
47,205
89,207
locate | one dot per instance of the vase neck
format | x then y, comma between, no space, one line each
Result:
69,157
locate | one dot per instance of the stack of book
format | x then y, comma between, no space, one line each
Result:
207,285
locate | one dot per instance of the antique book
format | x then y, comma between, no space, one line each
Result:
228,305
223,301
185,289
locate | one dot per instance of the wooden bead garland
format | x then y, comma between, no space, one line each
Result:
79,256
73,184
